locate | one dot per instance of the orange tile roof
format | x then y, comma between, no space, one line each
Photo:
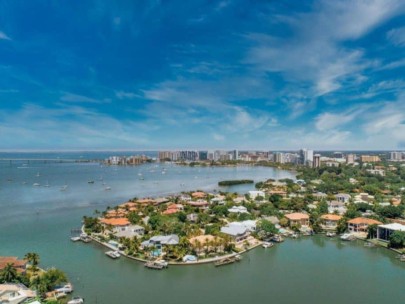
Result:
128,204
170,211
331,217
198,194
115,221
18,264
297,216
198,204
364,220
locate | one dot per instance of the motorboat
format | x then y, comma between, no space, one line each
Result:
330,234
267,244
36,185
76,300
68,288
347,237
113,254
107,188
75,238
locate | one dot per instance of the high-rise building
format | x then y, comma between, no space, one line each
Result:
203,155
350,159
306,157
317,161
279,157
370,159
338,155
396,156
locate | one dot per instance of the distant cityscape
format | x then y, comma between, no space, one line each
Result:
305,157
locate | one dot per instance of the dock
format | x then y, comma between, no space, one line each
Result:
228,260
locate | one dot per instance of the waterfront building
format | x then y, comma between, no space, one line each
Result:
254,194
159,241
129,231
384,231
306,157
298,219
330,221
338,155
279,158
239,231
360,224
370,159
203,155
335,206
16,294
173,208
19,265
115,222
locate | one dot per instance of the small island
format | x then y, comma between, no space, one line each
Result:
235,182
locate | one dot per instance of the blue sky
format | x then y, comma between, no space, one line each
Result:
202,74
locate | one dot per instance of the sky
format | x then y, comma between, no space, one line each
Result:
271,75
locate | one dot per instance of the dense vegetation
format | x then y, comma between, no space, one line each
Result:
235,182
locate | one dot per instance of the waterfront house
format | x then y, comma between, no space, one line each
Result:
15,294
330,221
19,265
360,224
238,209
115,222
254,194
239,231
198,194
202,204
159,241
298,219
384,231
129,231
343,197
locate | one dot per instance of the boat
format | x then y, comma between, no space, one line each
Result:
107,188
36,185
267,244
76,300
401,257
158,264
347,237
38,175
75,238
90,182
63,188
294,235
113,254
330,234
227,260
85,238
369,244
47,184
277,238
68,288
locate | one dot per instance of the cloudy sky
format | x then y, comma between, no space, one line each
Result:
202,74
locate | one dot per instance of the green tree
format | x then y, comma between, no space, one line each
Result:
397,239
9,274
267,227
133,217
372,231
33,259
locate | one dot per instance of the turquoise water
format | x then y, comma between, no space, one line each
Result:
308,270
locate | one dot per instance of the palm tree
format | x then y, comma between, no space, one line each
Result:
33,258
9,273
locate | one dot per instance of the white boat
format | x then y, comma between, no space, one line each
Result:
38,175
76,300
75,238
63,188
36,185
347,237
113,254
294,235
267,244
330,234
107,188
47,184
68,288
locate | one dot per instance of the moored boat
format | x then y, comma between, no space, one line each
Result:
267,244
75,238
159,264
76,300
113,254
228,260
330,234
347,237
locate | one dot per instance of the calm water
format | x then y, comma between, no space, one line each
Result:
310,270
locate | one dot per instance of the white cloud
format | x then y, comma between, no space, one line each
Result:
125,95
397,36
75,98
3,36
315,53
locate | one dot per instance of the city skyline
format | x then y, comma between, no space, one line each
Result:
226,75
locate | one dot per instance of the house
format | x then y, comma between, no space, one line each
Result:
15,293
199,204
343,197
129,231
19,265
330,221
173,208
376,172
360,224
281,193
384,231
238,209
254,194
364,197
320,195
192,217
115,222
160,240
239,231
198,194
298,219
335,206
